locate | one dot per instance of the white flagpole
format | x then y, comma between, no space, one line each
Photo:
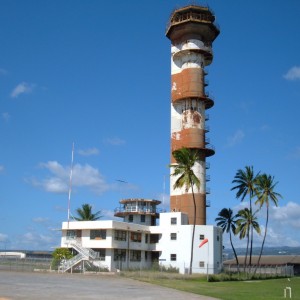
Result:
70,184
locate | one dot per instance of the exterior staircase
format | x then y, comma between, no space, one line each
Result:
83,254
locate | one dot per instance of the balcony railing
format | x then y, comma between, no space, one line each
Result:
138,210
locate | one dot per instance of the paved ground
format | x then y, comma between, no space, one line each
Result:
25,286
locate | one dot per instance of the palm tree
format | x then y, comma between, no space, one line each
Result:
227,221
183,169
245,185
246,220
265,193
85,213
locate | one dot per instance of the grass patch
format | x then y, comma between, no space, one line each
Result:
257,289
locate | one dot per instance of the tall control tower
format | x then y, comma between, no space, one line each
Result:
191,30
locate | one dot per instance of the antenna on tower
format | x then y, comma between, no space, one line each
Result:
70,184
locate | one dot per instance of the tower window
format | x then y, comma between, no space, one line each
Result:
135,255
71,234
173,236
130,218
201,264
173,221
143,218
173,257
201,237
98,234
120,235
136,237
119,255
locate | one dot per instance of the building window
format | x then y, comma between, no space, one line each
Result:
201,264
135,255
173,236
98,234
146,255
130,218
120,235
218,238
173,221
173,257
154,238
143,218
146,238
100,253
119,255
71,234
136,237
201,237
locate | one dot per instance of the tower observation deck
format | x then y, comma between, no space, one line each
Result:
192,30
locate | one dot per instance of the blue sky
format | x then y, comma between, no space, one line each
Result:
97,73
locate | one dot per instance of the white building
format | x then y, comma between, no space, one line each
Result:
137,243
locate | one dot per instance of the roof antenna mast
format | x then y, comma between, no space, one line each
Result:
70,184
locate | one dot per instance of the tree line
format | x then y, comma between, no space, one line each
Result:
260,188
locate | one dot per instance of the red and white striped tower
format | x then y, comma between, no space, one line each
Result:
191,30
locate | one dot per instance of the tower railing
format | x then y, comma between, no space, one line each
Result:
138,210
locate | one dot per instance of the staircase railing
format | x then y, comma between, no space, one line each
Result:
89,253
66,265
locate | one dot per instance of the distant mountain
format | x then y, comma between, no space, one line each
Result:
228,253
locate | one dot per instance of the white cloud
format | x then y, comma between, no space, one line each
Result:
88,152
283,227
5,116
83,176
3,237
3,71
109,215
236,138
114,141
40,220
293,73
22,88
287,215
295,154
265,127
33,240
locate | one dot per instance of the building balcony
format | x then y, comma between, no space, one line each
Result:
122,211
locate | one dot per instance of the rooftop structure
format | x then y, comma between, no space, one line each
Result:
139,211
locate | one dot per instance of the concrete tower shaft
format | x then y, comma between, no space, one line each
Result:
191,30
